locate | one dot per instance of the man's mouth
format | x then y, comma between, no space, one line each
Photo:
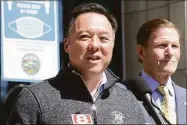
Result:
93,58
168,61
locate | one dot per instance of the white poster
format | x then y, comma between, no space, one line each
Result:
29,40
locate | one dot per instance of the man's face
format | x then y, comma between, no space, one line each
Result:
90,44
162,54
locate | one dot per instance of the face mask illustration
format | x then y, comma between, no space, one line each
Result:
29,27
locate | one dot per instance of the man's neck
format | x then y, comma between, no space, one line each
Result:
161,79
92,82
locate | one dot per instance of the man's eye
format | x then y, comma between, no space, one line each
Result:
175,46
162,45
104,38
83,36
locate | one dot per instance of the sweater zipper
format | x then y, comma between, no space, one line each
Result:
93,103
94,107
94,113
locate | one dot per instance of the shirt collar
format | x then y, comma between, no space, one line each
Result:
104,79
153,84
101,87
102,84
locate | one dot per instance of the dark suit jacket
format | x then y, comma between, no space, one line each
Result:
180,97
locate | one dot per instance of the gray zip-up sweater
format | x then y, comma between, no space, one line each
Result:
55,100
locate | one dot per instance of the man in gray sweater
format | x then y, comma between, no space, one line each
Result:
85,91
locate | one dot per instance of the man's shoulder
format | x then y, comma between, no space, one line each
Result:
122,89
40,87
41,92
121,85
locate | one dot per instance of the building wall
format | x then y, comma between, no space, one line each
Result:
135,13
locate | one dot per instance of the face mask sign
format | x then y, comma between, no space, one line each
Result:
29,27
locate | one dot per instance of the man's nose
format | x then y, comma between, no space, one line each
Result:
169,50
94,45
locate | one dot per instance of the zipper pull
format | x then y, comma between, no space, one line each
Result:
94,114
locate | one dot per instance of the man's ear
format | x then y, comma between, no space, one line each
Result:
140,51
66,45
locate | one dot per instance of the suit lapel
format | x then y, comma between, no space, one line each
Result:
180,97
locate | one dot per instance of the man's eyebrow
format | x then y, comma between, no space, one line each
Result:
81,31
100,32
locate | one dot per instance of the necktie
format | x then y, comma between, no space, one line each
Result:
166,105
